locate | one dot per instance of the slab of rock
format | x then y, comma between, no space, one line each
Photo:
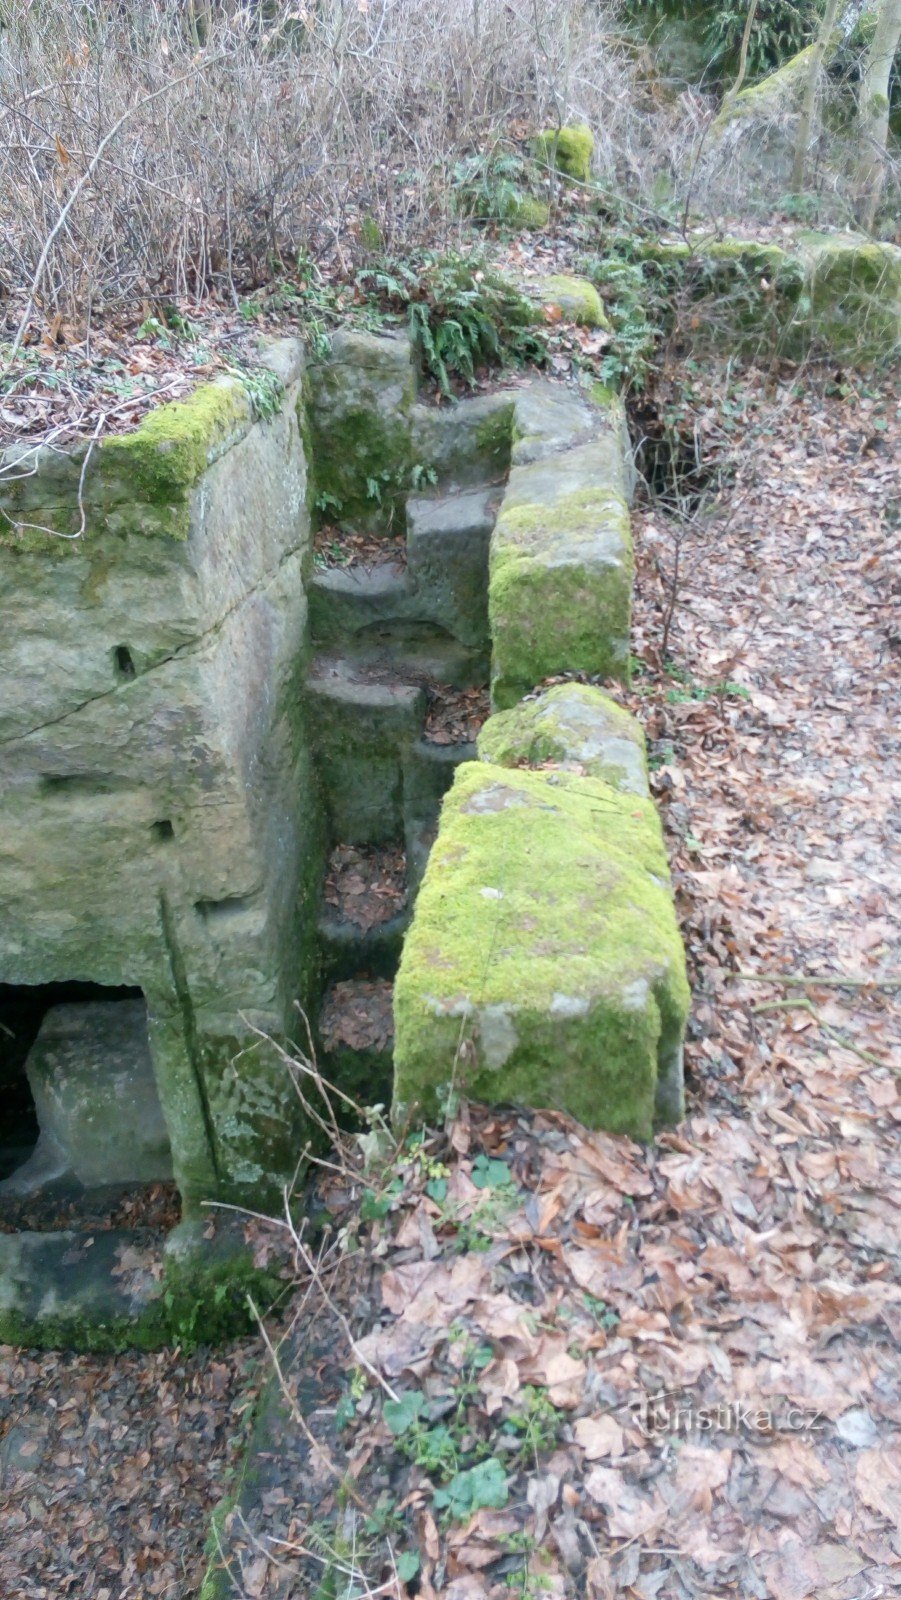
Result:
572,726
447,554
561,571
95,1093
359,403
544,964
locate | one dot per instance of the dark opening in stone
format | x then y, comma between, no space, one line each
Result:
125,666
78,1098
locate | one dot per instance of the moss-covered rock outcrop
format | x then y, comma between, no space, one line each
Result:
574,299
544,964
568,150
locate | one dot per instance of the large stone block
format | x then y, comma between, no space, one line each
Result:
447,553
561,571
92,1079
544,965
358,410
159,821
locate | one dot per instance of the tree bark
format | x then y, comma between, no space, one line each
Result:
873,112
809,100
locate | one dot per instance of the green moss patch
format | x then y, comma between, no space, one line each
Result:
569,150
561,572
576,299
543,965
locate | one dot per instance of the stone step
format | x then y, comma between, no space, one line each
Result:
428,774
360,720
346,948
342,600
447,554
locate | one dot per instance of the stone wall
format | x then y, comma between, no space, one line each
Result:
158,821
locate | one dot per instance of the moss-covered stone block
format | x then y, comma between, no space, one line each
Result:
358,421
854,291
544,965
575,726
574,299
568,150
561,572
140,482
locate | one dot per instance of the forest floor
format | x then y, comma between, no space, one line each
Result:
536,1289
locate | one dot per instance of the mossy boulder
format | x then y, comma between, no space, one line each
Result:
575,299
568,150
544,965
560,571
854,292
573,726
529,212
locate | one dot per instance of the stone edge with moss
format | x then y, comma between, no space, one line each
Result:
544,965
572,725
201,1298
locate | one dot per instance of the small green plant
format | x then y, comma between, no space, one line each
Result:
462,315
477,1488
535,1421
495,185
263,388
422,477
604,1315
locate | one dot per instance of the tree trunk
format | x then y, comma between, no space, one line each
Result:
874,110
743,55
809,100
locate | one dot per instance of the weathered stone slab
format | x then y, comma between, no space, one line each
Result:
573,726
92,1079
466,443
359,402
447,554
360,729
544,965
561,571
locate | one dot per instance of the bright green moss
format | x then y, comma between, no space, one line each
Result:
527,212
569,150
560,591
173,445
576,298
142,480
543,965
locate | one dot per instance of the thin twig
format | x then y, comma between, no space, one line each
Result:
85,178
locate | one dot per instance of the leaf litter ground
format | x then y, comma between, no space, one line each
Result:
535,1361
